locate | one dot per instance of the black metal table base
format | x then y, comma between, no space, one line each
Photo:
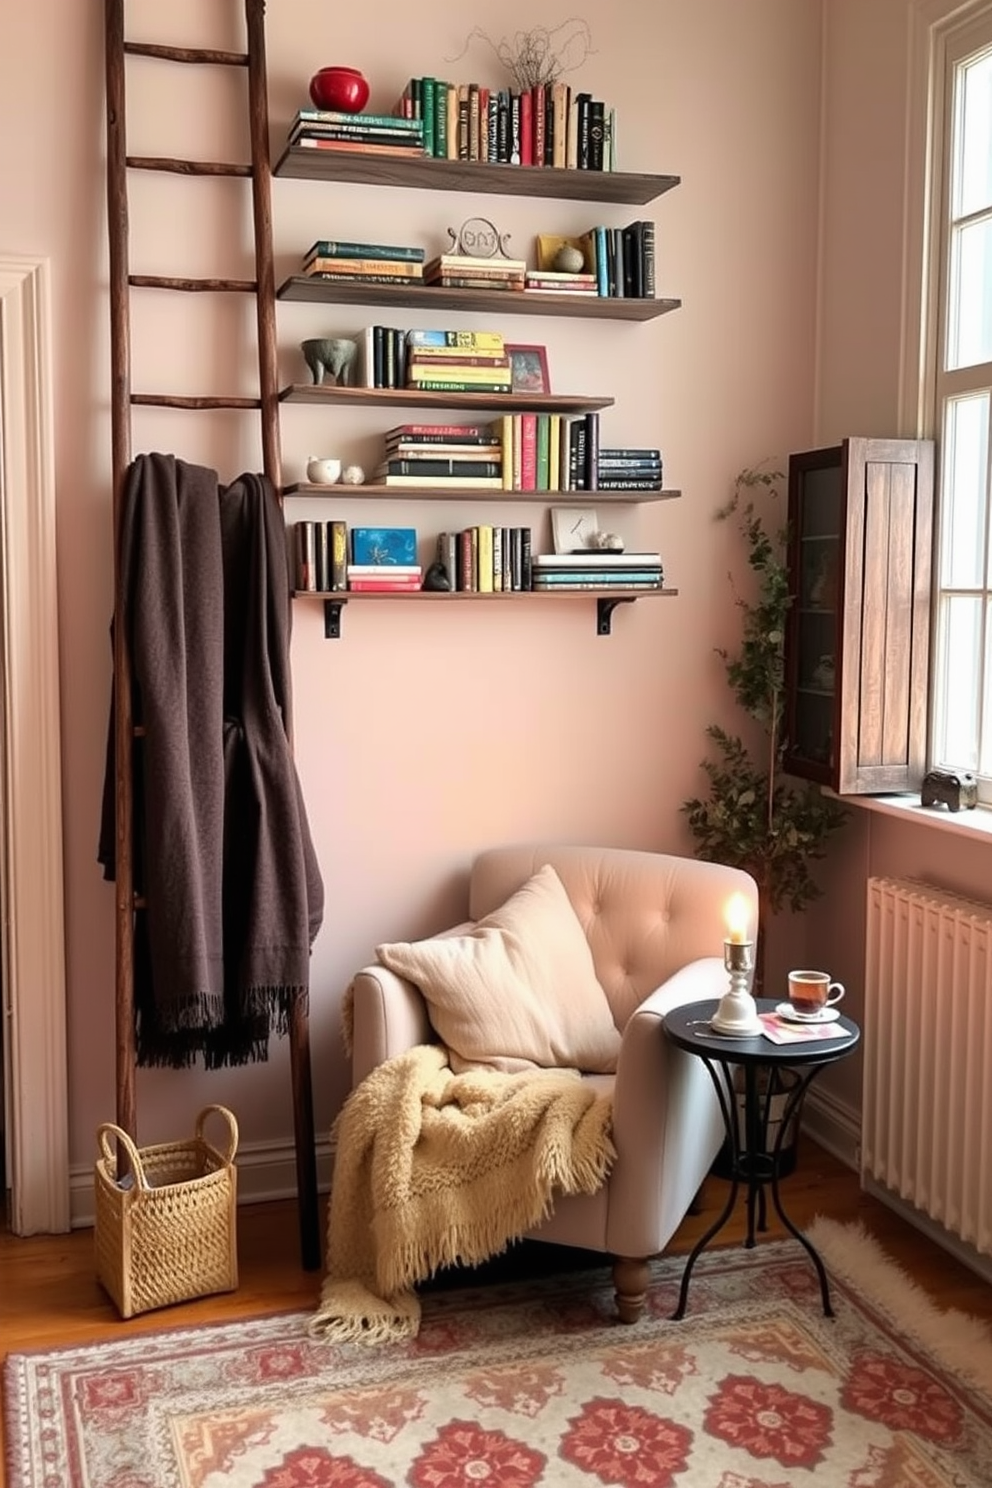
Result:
754,1164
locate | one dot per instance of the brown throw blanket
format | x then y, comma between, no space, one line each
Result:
433,1168
223,855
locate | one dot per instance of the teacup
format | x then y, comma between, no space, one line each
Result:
812,991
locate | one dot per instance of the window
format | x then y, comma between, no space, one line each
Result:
962,391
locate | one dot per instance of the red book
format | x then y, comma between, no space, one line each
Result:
527,128
528,452
370,584
538,106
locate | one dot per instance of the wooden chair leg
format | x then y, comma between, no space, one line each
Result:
630,1282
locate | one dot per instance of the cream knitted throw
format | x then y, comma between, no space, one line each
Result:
433,1168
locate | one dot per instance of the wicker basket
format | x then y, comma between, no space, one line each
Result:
167,1232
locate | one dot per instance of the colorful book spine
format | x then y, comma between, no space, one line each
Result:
455,468
335,116
337,546
488,339
394,268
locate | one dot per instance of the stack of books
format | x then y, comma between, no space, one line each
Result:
597,569
367,134
553,281
384,578
458,362
464,271
469,456
371,263
630,468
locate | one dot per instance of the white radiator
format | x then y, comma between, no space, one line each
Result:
927,1103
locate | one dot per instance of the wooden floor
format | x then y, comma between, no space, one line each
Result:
48,1294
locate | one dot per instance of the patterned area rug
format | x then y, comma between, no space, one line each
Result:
517,1385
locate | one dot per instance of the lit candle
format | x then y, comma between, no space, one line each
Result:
737,918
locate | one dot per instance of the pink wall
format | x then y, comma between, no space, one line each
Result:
422,737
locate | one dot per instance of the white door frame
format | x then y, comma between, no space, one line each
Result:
31,884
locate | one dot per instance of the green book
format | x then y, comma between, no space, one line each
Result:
543,450
427,113
441,119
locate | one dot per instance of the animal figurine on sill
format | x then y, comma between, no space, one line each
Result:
951,788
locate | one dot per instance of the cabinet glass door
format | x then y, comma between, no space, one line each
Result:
816,517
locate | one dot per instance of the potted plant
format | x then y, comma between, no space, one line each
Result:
755,816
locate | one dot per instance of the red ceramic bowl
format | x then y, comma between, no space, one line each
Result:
341,88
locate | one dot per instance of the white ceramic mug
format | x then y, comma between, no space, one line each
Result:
811,991
323,470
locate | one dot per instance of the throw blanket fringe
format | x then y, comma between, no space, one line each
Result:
434,1169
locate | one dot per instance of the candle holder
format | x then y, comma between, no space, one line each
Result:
737,1014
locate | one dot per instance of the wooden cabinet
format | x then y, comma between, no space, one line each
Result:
342,168
857,640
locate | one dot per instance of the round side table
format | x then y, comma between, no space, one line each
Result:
755,1163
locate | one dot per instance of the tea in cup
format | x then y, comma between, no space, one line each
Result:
812,991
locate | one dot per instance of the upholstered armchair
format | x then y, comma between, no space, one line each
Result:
655,926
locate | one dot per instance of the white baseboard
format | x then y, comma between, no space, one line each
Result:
266,1171
835,1125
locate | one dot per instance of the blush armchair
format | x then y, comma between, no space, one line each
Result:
654,924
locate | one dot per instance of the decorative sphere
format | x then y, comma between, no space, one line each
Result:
568,259
352,475
343,89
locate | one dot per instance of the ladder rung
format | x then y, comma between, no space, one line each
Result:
186,167
186,54
155,281
170,400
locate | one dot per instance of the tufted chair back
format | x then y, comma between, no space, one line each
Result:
645,914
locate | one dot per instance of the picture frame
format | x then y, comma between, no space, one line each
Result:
529,369
572,528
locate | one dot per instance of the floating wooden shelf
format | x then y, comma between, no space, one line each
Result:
431,297
323,393
606,601
424,173
452,492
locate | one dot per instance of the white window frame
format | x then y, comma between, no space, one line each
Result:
967,33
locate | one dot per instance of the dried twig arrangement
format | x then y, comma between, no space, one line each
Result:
540,55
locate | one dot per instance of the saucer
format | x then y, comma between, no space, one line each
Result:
825,1015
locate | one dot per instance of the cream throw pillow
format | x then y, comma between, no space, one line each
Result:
518,990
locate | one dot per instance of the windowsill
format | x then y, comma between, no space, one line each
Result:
976,823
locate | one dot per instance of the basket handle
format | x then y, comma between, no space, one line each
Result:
232,1129
104,1133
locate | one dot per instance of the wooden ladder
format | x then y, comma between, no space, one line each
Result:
123,399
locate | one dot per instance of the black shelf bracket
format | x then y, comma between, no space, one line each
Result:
605,605
332,618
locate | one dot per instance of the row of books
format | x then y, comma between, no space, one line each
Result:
517,452
376,134
391,357
481,559
617,261
549,124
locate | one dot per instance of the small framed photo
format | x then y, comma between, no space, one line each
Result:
529,366
573,528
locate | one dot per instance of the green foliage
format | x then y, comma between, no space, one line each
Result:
756,817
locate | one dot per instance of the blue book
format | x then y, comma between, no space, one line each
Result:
384,545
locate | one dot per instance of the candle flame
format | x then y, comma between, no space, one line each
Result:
737,917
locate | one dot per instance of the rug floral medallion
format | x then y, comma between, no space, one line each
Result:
514,1386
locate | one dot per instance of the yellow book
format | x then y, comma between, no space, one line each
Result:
554,451
506,439
485,559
